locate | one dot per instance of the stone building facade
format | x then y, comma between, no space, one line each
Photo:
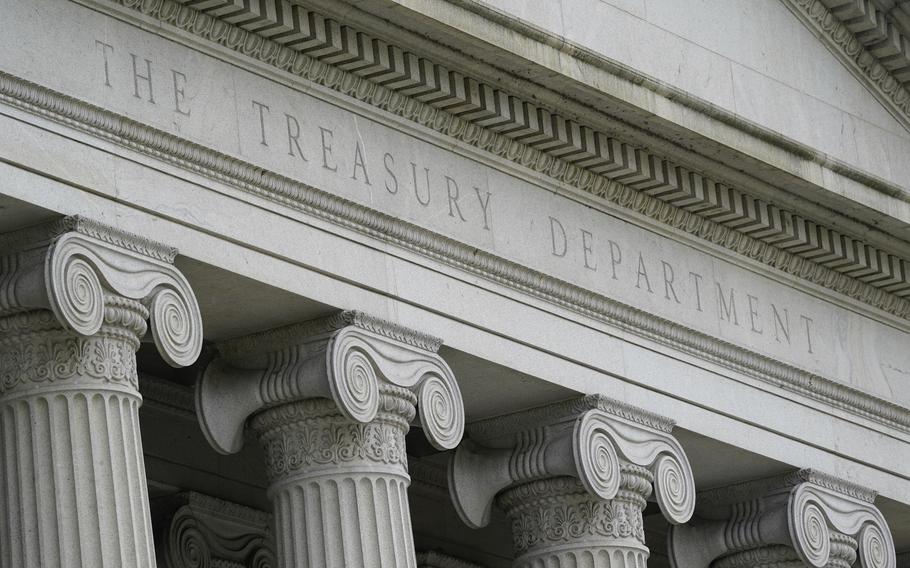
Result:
454,283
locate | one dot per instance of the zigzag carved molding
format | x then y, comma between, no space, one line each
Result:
303,42
309,200
290,193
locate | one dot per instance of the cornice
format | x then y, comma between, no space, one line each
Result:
863,38
537,138
295,195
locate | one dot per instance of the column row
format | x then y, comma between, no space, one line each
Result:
330,401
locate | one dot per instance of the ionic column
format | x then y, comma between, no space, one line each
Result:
330,402
803,519
573,478
74,300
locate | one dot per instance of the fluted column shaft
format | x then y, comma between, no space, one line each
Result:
72,478
557,523
331,400
74,299
339,487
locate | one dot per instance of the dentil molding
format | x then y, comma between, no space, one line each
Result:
865,39
305,43
290,193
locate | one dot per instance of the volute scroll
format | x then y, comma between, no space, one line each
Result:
807,515
72,266
344,358
588,439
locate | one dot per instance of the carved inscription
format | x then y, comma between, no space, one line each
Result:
144,81
317,146
624,265
312,144
292,128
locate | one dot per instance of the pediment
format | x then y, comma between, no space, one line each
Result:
868,44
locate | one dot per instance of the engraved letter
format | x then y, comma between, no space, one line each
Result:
453,197
753,312
696,277
484,204
179,94
293,137
359,163
389,162
781,325
808,321
615,257
724,309
643,272
587,245
668,282
104,48
147,78
327,149
261,108
426,171
554,223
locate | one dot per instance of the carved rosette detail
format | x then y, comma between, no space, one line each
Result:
822,521
441,412
354,384
810,532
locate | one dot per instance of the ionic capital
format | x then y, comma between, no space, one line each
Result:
82,271
344,358
822,520
203,531
592,439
